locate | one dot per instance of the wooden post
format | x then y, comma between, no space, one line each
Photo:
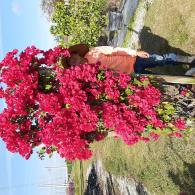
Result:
177,79
173,79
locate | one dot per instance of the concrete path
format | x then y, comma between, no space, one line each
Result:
127,10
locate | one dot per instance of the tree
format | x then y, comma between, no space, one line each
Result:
82,21
48,6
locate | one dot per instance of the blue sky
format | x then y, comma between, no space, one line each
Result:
22,23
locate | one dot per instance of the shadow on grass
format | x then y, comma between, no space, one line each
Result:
153,43
185,180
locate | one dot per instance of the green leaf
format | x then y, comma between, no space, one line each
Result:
137,82
145,83
160,111
53,148
101,75
67,106
166,118
166,130
158,130
42,114
128,91
148,117
122,98
48,87
42,150
149,127
168,106
50,155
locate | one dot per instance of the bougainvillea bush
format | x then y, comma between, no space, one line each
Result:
65,109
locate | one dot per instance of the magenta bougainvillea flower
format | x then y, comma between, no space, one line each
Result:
62,108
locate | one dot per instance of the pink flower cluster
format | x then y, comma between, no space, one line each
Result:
48,104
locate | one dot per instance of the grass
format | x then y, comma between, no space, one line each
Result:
77,175
168,28
173,20
165,167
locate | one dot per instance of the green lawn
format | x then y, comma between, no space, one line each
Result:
172,23
165,167
169,27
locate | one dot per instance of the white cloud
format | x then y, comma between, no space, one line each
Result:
15,8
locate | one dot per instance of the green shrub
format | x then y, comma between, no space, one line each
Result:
81,21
